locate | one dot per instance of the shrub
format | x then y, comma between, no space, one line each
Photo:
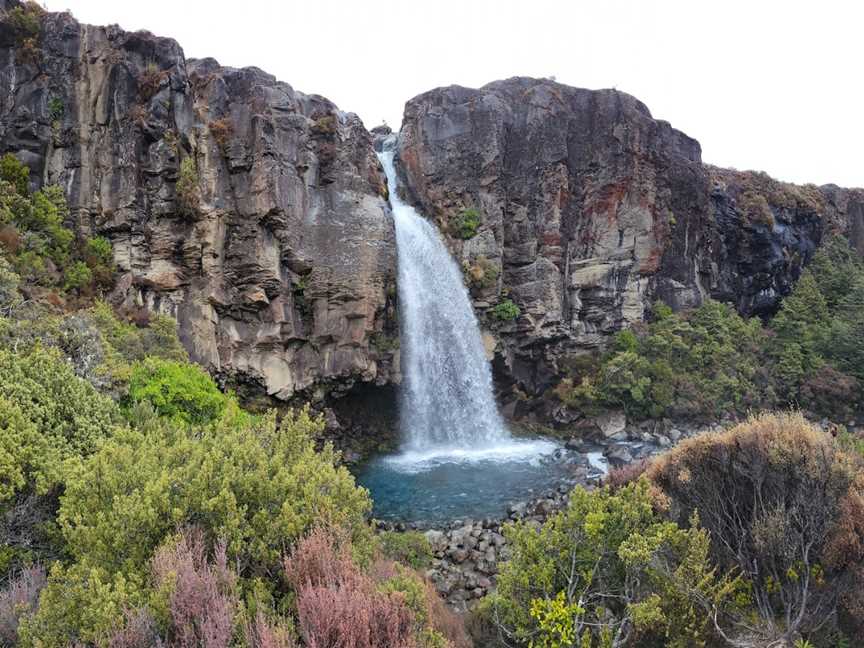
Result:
324,125
410,547
467,223
257,485
222,130
151,81
506,311
17,599
770,491
25,21
756,208
180,391
77,277
338,605
573,580
99,257
202,600
708,361
15,173
55,109
188,195
66,411
10,298
483,273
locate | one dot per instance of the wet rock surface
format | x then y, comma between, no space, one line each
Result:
278,259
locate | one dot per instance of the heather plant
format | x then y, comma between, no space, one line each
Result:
338,605
18,598
201,594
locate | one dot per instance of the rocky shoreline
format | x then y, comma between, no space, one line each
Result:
466,552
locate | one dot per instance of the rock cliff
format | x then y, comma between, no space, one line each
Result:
257,215
590,210
275,252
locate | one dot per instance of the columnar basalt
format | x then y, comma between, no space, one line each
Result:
591,209
257,215
251,212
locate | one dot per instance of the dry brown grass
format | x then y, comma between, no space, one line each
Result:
222,131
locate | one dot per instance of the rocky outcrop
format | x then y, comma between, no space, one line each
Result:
257,215
271,244
590,210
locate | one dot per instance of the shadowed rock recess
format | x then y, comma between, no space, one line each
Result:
257,215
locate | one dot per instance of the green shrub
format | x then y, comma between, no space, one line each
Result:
506,311
180,391
49,420
10,297
24,20
99,257
77,276
64,409
188,195
467,223
259,486
708,361
571,582
15,173
409,547
55,109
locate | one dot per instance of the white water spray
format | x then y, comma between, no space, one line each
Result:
448,409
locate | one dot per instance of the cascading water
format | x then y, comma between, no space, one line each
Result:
457,457
448,408
447,396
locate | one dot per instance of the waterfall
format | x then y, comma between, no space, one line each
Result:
447,400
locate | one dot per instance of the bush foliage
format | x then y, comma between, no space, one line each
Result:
41,249
467,223
710,361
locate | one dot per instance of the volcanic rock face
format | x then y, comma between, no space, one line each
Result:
591,210
256,215
278,258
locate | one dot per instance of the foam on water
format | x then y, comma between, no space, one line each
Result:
412,461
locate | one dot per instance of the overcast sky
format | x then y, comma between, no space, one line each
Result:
772,85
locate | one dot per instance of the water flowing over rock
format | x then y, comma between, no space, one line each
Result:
447,390
281,269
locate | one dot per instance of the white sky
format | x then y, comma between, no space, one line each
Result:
763,84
